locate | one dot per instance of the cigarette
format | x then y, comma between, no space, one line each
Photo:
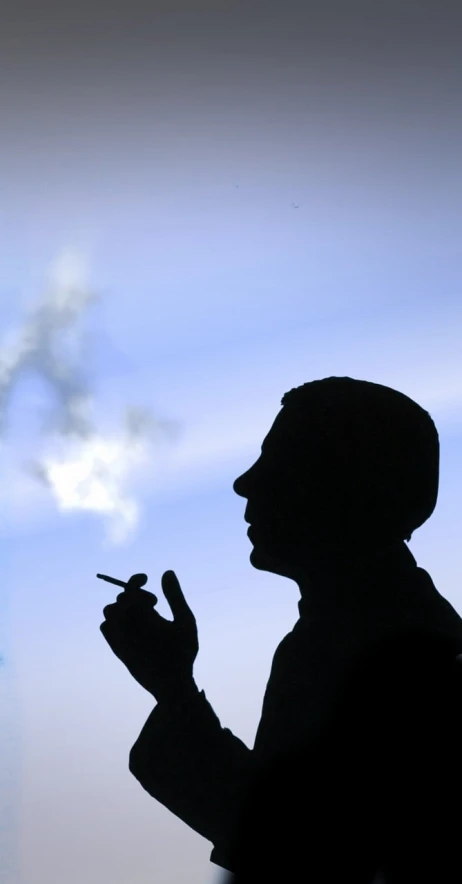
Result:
112,580
136,581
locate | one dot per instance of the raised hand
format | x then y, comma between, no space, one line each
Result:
158,653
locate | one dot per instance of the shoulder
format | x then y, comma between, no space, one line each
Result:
409,684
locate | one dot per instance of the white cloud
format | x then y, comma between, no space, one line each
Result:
83,466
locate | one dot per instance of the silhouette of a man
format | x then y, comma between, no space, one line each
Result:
354,774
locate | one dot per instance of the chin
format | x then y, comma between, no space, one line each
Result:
265,561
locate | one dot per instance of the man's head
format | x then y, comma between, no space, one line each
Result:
346,463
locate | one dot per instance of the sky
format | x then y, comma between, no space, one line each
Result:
202,206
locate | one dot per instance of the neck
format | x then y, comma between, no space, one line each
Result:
337,581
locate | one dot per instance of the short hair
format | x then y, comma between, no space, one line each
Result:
378,454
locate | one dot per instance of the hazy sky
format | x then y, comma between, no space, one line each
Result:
257,195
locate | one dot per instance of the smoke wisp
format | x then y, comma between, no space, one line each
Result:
82,465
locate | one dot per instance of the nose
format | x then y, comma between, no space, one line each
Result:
240,489
240,485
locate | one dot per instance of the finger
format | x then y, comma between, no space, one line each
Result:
137,581
120,643
116,610
136,597
128,627
116,639
111,612
174,595
124,601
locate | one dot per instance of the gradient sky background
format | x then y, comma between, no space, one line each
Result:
165,145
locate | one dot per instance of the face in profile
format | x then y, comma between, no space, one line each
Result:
305,500
278,501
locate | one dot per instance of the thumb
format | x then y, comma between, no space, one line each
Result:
174,595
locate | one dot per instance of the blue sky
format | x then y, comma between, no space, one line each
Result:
214,300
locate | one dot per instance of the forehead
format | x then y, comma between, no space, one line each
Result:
286,432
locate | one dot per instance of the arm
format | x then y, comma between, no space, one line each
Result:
183,757
194,767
